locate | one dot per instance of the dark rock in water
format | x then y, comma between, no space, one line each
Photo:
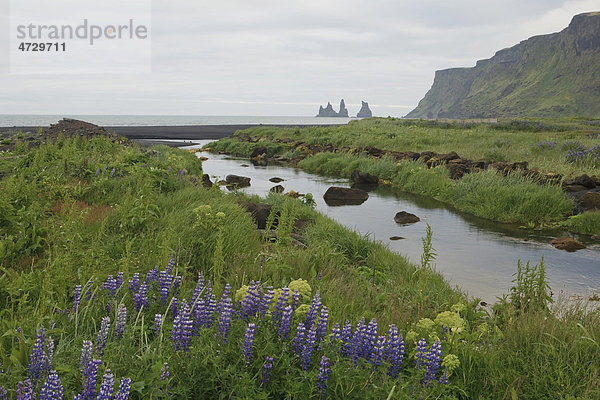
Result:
206,182
259,211
330,112
363,178
404,217
365,111
258,151
567,244
276,180
590,201
338,196
240,181
277,189
396,238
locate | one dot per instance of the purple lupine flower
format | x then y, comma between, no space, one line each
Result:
124,388
107,386
322,324
36,359
97,172
286,322
444,378
266,371
378,352
209,311
112,172
248,342
120,172
265,302
102,336
226,294
48,356
76,298
346,338
313,311
120,280
3,393
140,298
369,339
177,284
323,376
158,320
121,320
90,376
421,354
134,283
86,355
88,290
164,372
335,333
165,280
358,340
433,360
309,346
181,333
280,305
152,275
394,351
295,299
52,389
174,308
25,390
170,265
181,173
226,306
251,300
298,342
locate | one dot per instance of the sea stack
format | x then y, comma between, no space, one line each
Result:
365,111
330,112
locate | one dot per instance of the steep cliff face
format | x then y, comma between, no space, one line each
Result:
548,75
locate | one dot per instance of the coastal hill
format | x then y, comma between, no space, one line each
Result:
552,75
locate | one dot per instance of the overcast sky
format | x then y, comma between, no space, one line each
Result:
285,57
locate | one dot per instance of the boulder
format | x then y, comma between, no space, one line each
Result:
258,151
259,211
206,182
337,196
277,189
456,170
240,181
396,238
363,178
276,180
567,244
404,217
583,180
590,201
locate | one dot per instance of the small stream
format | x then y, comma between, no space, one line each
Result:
475,254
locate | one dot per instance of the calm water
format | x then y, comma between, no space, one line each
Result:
166,120
474,254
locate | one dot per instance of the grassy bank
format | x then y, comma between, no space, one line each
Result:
92,229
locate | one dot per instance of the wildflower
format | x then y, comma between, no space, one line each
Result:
107,386
120,280
295,298
76,298
88,290
420,356
112,172
266,371
298,341
433,358
170,265
25,390
286,322
158,320
152,275
164,285
369,339
323,376
335,334
394,351
248,342
206,312
134,283
226,294
36,359
164,372
313,311
346,338
3,393
265,302
52,389
444,378
226,306
309,346
97,172
280,305
322,324
121,320
140,298
181,332
86,355
251,300
174,307
124,388
48,356
302,287
90,375
357,340
102,336
378,352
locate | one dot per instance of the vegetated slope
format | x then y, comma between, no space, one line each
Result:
546,76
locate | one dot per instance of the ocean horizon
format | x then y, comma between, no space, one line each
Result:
41,120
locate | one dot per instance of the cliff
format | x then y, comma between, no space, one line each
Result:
545,76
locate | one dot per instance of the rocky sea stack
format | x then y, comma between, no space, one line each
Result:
330,112
552,75
365,111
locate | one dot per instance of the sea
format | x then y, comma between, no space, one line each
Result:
168,120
